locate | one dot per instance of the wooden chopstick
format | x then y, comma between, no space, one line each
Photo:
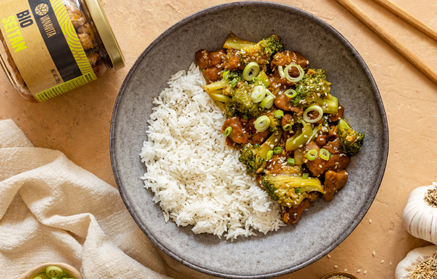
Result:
388,38
408,18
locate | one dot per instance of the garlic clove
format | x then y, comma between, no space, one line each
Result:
420,216
406,267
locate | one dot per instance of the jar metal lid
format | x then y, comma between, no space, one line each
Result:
105,31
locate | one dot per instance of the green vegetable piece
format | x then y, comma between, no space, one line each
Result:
250,71
251,52
262,123
219,97
315,89
242,101
324,154
233,42
299,140
277,150
53,271
209,88
351,140
279,113
254,156
287,74
287,127
291,162
234,82
269,155
290,93
227,131
282,188
312,155
305,175
41,275
264,79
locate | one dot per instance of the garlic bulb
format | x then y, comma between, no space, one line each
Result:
420,214
419,263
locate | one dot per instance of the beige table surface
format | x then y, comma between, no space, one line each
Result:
78,123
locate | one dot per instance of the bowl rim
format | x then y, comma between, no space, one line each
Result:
368,75
326,276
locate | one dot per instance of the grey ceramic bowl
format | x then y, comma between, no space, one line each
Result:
324,225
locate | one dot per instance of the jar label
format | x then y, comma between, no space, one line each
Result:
45,46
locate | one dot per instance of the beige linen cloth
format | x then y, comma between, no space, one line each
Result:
51,210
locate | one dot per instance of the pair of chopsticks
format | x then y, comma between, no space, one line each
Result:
388,38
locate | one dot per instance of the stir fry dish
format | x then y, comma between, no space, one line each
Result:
282,117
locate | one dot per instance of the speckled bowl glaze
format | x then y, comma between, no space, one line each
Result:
325,224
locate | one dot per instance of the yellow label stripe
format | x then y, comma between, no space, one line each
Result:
72,38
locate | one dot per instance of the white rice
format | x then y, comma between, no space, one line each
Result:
196,178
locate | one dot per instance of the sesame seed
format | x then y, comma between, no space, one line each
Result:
365,272
335,266
374,253
370,221
345,269
382,261
329,256
359,270
390,263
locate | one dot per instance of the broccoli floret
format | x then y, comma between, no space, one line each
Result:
230,110
314,88
220,91
254,156
249,157
290,190
260,52
269,46
351,140
242,100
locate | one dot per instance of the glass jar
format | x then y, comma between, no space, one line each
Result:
52,46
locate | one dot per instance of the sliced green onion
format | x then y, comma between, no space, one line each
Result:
269,155
225,74
281,72
286,127
298,190
290,93
41,275
312,154
287,75
277,150
313,108
290,161
250,71
279,113
245,117
53,271
262,123
227,131
267,102
64,275
258,93
234,82
305,175
324,154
